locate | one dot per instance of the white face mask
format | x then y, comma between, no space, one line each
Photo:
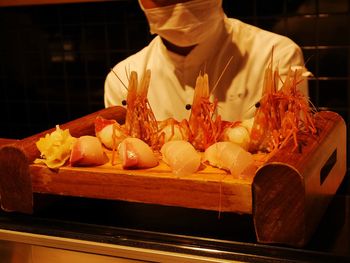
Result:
185,24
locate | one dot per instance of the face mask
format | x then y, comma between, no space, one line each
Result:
185,24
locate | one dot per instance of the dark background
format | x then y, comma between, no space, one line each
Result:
53,63
54,58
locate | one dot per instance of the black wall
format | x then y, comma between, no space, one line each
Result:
54,58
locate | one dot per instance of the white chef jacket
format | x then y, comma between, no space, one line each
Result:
173,76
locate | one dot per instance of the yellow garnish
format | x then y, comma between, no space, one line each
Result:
55,148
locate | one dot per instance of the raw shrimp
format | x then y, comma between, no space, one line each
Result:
205,124
282,113
140,121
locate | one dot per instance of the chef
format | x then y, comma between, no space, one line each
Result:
195,37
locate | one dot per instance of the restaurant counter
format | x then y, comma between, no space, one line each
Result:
153,233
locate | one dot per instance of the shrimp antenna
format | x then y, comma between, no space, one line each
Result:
272,51
256,105
119,79
307,61
127,72
222,73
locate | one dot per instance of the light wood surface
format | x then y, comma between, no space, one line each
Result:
210,188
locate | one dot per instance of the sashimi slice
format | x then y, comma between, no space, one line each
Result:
181,156
87,151
229,156
136,154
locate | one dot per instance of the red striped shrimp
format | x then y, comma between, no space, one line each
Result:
282,114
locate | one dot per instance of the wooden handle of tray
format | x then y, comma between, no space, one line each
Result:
77,128
4,141
15,157
293,189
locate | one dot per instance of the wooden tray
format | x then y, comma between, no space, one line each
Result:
210,188
286,196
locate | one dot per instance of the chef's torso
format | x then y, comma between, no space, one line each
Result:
235,59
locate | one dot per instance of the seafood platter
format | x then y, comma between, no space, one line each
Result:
282,167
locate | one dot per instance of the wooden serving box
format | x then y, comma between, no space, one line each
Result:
286,195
